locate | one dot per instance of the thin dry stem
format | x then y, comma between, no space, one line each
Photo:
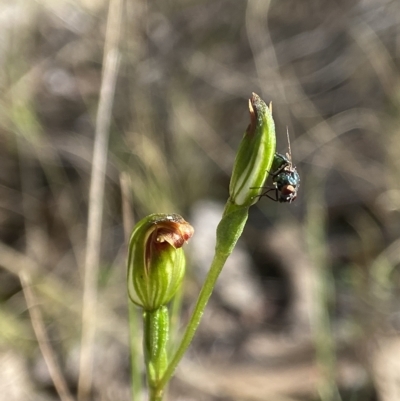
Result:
127,215
110,72
43,340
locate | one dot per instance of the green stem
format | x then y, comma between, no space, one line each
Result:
324,339
135,343
155,394
155,340
228,232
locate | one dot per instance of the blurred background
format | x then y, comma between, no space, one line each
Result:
307,307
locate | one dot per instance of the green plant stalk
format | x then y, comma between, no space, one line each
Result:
324,340
135,346
325,344
228,232
155,394
155,339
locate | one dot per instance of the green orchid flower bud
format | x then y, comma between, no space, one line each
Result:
255,155
156,262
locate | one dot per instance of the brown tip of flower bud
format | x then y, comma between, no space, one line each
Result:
173,230
187,231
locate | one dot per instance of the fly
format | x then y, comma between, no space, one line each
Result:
285,178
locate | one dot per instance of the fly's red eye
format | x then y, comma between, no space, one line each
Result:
288,189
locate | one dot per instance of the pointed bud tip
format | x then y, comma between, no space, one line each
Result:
257,109
253,119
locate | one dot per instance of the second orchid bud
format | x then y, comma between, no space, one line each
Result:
255,154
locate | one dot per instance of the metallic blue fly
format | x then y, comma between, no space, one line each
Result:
285,178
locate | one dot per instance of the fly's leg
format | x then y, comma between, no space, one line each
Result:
276,193
266,193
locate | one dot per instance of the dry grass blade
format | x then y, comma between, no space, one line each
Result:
127,215
110,72
43,340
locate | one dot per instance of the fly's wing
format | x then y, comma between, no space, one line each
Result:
279,163
289,154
